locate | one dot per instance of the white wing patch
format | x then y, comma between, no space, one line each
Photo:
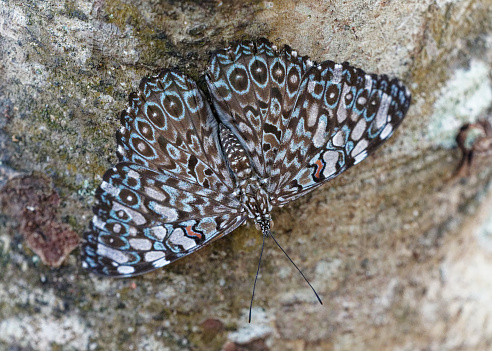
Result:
386,131
319,138
178,238
331,158
113,254
110,189
359,129
125,269
361,146
154,255
140,244
169,214
134,215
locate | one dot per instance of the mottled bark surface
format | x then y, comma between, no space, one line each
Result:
399,249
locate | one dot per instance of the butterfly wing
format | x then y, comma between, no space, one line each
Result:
302,125
254,88
169,126
171,193
340,117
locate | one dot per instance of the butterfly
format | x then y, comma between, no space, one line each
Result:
283,126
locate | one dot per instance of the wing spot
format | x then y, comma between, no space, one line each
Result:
360,157
110,189
319,138
160,263
331,158
115,255
133,174
339,138
360,147
386,131
154,255
98,223
141,244
125,269
168,214
359,129
178,238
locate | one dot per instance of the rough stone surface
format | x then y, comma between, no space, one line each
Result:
399,249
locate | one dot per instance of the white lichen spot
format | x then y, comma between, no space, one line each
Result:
464,98
247,332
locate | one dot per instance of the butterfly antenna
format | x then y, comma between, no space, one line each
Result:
315,293
254,285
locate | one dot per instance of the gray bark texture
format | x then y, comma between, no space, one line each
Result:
399,247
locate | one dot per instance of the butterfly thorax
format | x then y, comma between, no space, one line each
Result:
251,188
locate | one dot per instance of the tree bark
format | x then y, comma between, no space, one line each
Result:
399,247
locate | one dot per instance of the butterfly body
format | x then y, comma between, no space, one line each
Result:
185,177
255,200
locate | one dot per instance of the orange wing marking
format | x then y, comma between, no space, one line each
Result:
191,233
320,165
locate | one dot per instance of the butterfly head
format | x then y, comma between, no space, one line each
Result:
265,225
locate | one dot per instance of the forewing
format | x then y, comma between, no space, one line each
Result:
254,87
171,193
340,117
168,126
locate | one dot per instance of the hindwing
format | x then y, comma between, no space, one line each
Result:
171,192
340,117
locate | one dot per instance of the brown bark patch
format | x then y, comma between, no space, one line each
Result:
33,202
